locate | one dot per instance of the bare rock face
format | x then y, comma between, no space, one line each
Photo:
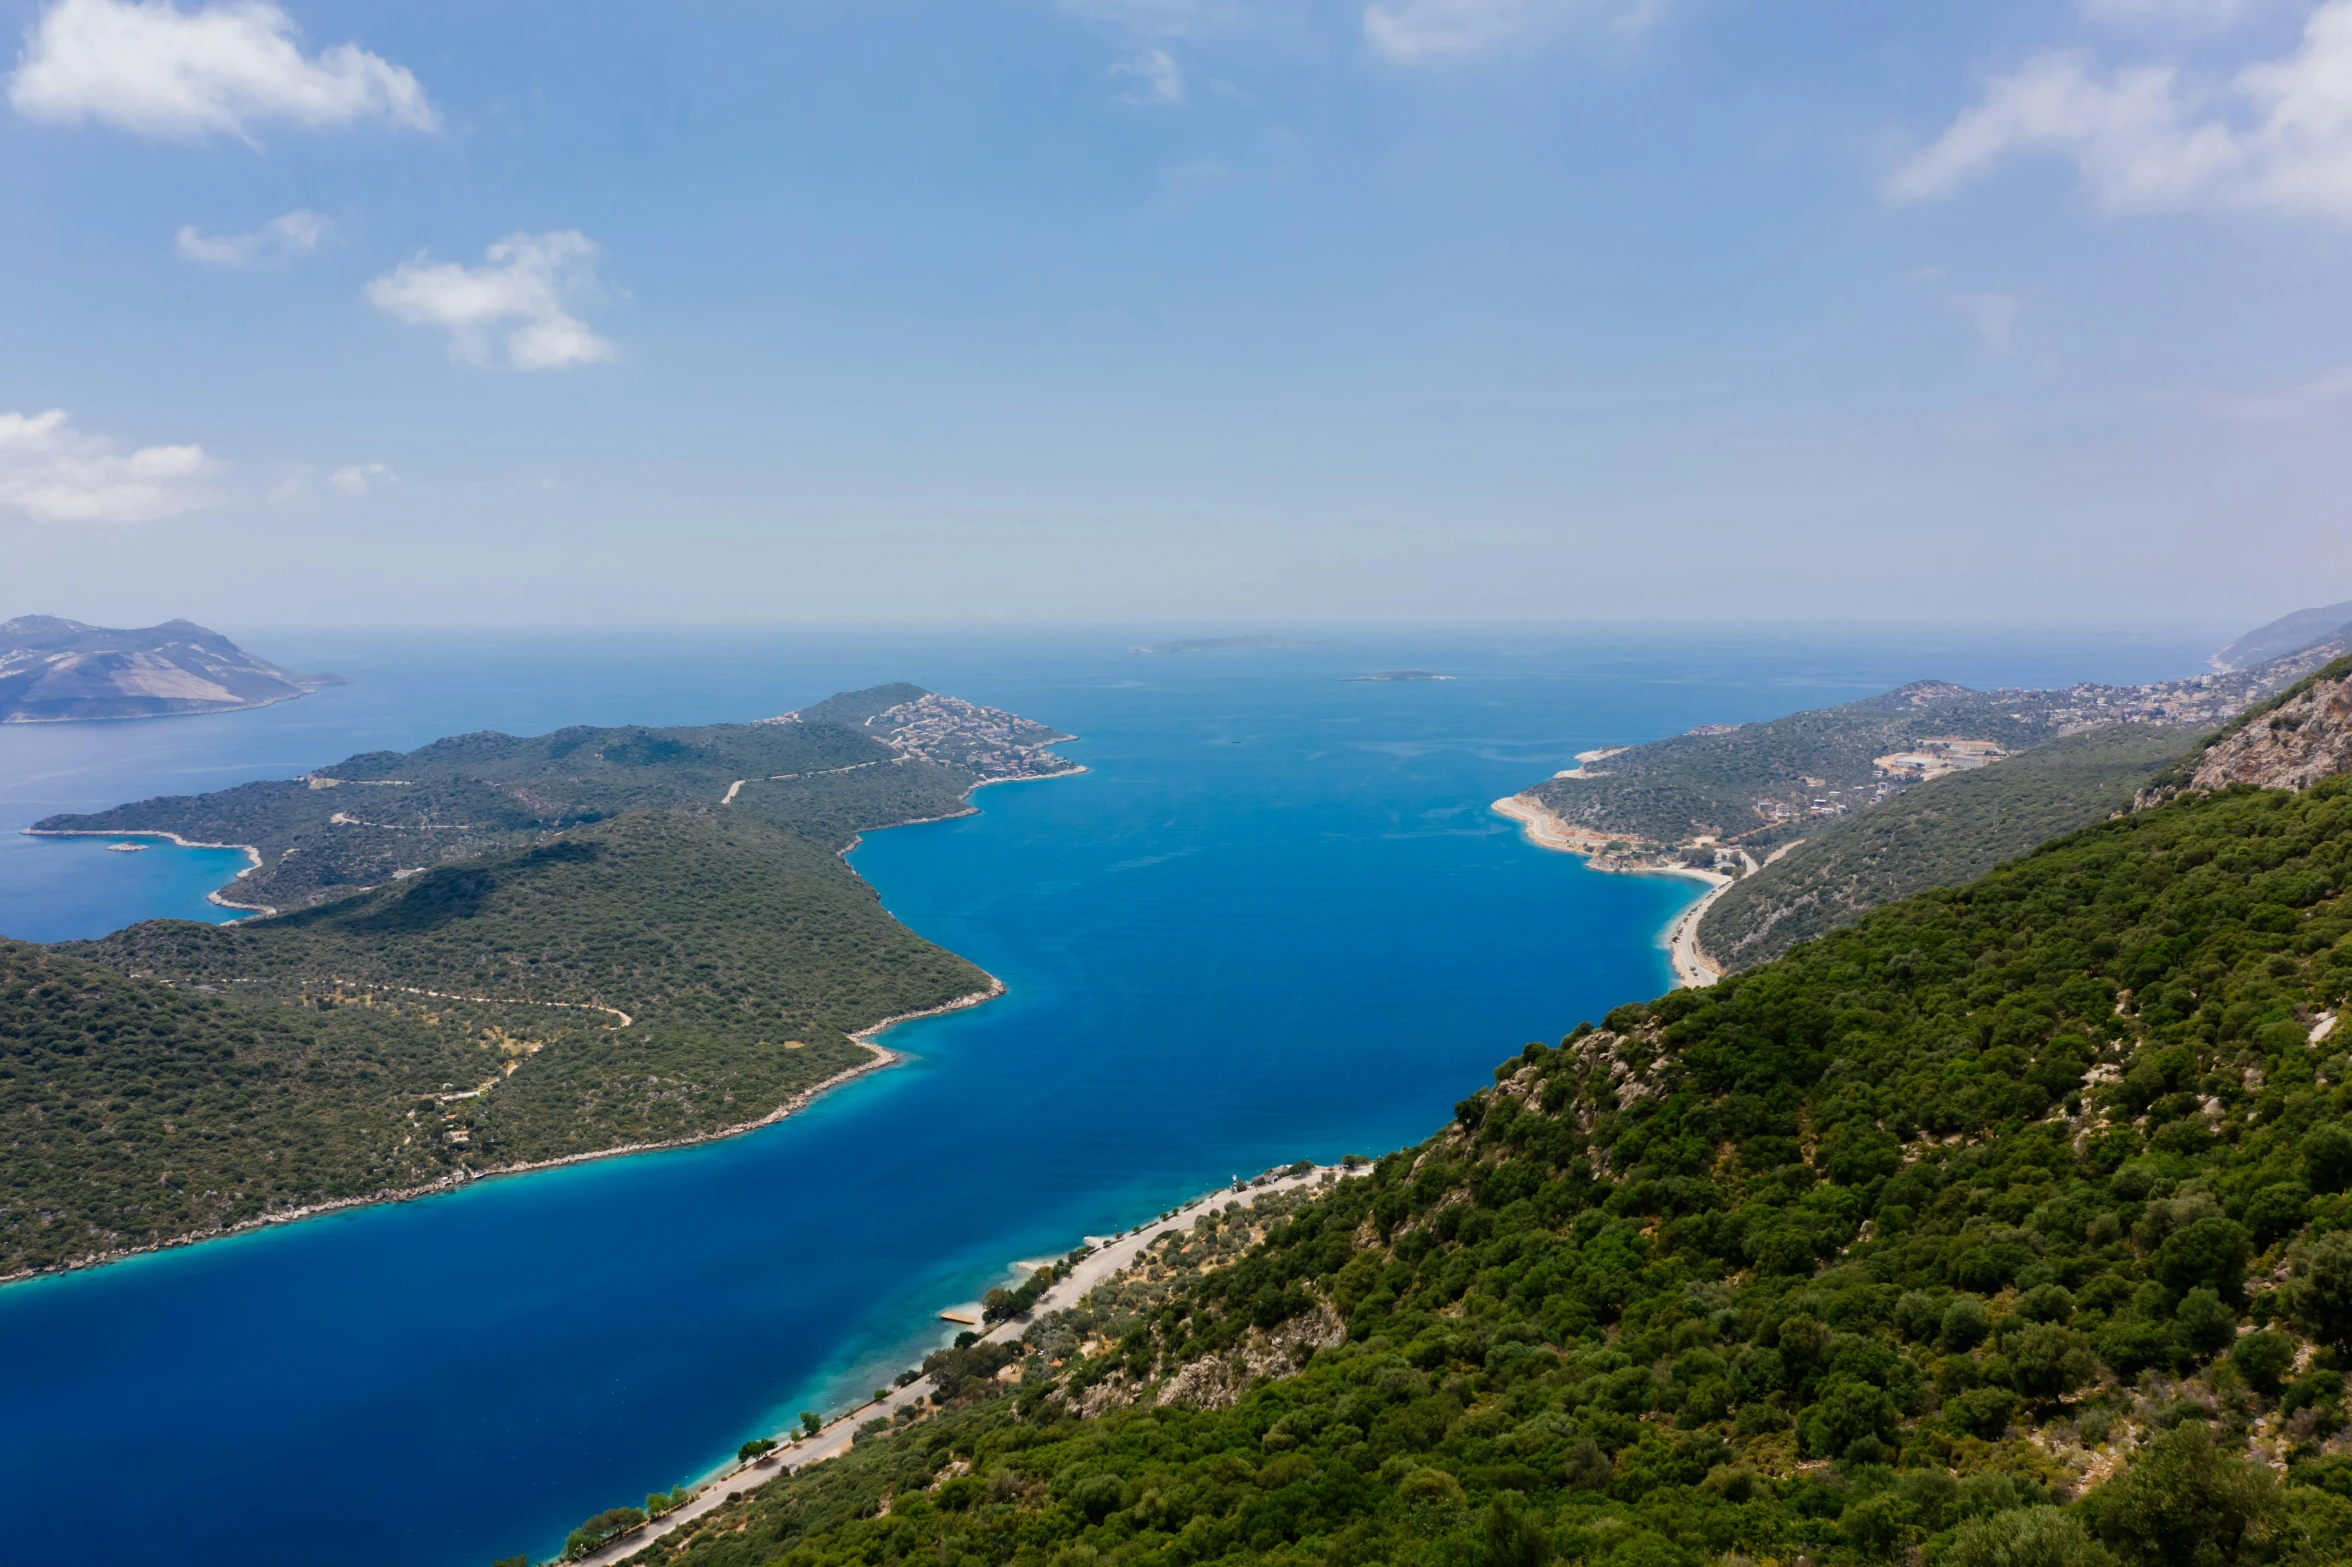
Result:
1218,1381
2295,745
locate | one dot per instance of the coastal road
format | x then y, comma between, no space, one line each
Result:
834,1438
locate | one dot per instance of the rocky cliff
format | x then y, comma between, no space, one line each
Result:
2291,743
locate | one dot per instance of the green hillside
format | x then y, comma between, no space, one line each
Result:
2005,1226
131,1112
363,820
623,936
1768,783
1936,834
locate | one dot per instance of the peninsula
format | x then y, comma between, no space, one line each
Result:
62,671
485,955
1826,814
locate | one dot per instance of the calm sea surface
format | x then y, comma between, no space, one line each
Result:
1275,920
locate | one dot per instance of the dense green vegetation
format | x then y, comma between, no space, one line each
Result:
1936,834
724,940
2010,1225
623,958
358,823
131,1112
1671,790
1768,783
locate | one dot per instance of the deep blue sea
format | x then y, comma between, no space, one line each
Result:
1275,920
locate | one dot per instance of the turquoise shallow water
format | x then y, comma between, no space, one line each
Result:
1274,920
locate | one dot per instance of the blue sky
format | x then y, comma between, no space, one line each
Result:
1263,310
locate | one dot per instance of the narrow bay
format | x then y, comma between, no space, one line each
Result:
1274,920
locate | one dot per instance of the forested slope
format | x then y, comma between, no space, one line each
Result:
1768,783
1936,834
2007,1225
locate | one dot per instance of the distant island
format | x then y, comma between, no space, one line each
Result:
54,671
1400,674
1222,645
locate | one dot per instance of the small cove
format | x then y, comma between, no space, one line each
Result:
1273,920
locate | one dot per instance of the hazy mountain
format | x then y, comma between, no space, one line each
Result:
55,671
2287,634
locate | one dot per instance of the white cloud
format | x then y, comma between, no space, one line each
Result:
360,476
275,243
52,472
2276,137
520,301
1159,79
148,67
1415,32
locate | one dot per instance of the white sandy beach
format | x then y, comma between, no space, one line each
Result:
1692,968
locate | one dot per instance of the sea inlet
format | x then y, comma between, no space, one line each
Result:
1275,920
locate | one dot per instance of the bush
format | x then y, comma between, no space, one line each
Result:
2210,1252
598,1530
1965,1325
2207,1325
2263,1359
2131,1345
2278,1210
2025,1537
1880,1525
2327,1158
2184,1503
2049,1362
2319,1297
1512,1538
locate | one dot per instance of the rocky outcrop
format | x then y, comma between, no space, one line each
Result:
2306,737
1218,1381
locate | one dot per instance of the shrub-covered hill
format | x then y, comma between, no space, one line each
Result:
502,951
131,1112
656,976
2009,1225
1936,834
